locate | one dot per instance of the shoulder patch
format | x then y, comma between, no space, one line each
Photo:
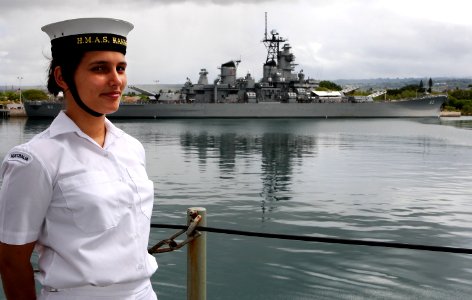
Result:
21,157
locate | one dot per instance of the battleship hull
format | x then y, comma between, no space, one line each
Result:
415,108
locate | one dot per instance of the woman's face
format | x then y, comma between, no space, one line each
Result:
100,79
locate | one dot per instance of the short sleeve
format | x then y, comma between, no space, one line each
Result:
25,195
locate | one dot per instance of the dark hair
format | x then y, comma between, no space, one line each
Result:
68,63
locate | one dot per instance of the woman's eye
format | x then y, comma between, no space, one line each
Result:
98,69
121,68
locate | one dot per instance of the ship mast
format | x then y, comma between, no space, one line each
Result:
272,44
265,35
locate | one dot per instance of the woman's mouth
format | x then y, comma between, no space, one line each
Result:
113,95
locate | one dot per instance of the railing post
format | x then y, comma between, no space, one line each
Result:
196,259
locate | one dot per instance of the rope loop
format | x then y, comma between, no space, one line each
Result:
172,245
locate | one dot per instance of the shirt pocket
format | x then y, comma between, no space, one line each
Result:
95,200
144,189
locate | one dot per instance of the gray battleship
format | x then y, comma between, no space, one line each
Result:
281,93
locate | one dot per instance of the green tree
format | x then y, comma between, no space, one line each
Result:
459,100
329,85
408,91
421,88
10,96
430,85
34,94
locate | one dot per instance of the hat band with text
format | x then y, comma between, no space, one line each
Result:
89,42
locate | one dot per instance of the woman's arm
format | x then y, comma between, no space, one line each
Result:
17,272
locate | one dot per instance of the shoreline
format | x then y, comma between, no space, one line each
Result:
450,114
21,113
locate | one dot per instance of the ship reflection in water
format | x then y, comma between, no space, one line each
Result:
277,152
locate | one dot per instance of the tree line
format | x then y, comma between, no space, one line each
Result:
458,99
32,94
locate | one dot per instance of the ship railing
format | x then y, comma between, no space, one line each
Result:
41,102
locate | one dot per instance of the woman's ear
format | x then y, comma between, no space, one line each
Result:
60,79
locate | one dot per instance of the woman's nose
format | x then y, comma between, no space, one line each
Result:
116,79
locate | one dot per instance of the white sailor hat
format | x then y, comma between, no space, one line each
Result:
88,34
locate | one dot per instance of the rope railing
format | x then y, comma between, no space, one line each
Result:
196,250
320,239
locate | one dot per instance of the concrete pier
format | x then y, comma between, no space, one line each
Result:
20,113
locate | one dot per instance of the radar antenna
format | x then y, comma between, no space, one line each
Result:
272,44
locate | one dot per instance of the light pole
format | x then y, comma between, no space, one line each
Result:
19,86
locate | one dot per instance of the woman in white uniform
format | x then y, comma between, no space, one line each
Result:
78,192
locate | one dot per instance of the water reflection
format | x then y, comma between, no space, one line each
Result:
11,134
276,166
34,126
462,122
274,153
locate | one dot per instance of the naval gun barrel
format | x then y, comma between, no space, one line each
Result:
144,92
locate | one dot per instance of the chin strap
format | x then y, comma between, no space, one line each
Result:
80,103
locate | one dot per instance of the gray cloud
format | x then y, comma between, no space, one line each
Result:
172,40
16,5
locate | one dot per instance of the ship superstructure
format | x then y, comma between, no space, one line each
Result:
278,84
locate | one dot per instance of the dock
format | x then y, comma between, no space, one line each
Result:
4,113
20,113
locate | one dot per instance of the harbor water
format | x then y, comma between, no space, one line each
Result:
392,180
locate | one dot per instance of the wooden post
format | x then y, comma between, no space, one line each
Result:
196,259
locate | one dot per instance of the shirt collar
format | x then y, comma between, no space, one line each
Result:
63,124
113,133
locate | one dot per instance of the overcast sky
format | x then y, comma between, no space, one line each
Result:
331,39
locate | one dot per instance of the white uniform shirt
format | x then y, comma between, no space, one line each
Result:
88,207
